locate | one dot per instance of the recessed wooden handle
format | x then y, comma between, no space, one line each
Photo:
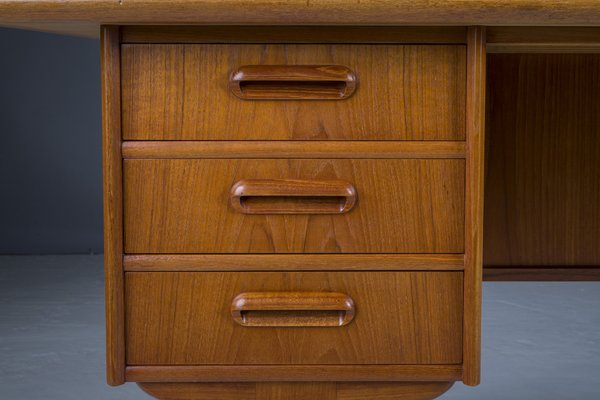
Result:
268,309
290,196
293,82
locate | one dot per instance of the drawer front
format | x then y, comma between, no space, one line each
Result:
294,206
402,92
187,318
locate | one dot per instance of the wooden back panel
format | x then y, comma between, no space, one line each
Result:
542,200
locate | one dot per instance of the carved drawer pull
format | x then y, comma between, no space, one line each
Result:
302,309
292,82
289,196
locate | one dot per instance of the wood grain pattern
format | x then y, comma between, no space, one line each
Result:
113,206
528,39
324,12
476,64
295,373
293,309
196,391
391,391
292,82
411,318
292,196
543,174
180,92
292,149
294,34
293,262
297,390
404,206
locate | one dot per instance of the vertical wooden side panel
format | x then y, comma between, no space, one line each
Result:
113,205
476,58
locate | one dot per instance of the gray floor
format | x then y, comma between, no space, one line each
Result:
540,340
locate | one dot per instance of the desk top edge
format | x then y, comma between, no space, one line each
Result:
83,17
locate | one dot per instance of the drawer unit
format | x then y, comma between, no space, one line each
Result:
287,217
294,206
354,92
188,318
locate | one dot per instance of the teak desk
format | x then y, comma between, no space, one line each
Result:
294,192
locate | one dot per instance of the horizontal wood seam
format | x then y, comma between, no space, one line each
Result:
300,262
322,34
527,39
291,373
293,149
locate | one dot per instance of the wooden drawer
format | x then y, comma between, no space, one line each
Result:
187,318
306,206
183,92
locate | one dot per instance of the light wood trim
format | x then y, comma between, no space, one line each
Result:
527,39
195,391
294,12
292,82
292,309
293,149
541,273
296,390
292,196
113,205
293,262
476,76
295,34
294,373
391,390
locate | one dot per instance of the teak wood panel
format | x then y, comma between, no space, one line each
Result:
474,194
403,206
183,318
297,390
296,373
181,92
63,14
543,39
293,149
273,34
293,262
543,173
113,206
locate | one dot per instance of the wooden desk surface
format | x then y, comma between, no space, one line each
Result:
83,17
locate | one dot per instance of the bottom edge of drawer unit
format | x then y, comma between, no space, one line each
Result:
330,318
294,373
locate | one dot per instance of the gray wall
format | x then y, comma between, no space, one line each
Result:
50,144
